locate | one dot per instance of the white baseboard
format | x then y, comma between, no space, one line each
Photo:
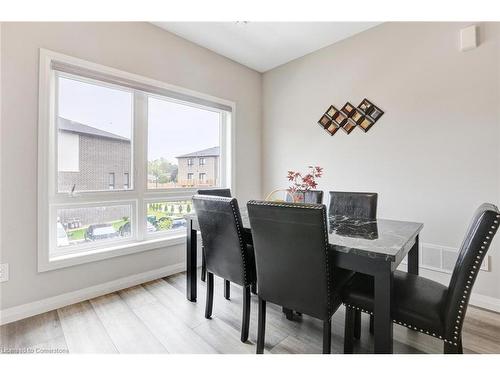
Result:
38,307
485,302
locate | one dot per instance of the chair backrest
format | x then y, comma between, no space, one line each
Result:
309,196
476,243
353,204
217,192
220,224
292,256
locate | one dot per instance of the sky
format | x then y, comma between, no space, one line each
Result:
173,129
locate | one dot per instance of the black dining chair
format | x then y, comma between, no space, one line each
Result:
424,305
309,196
353,204
218,193
357,205
294,263
227,254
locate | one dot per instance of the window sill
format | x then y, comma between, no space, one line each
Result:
82,257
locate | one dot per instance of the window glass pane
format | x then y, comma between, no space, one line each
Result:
165,216
94,136
183,142
89,225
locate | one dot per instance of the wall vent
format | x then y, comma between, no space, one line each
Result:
442,258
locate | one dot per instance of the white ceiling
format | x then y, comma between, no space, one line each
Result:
265,45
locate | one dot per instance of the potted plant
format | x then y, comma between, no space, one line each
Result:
303,182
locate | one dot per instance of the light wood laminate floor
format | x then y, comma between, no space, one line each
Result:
155,317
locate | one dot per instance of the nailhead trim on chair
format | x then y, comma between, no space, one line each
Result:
240,238
278,204
327,257
458,317
473,271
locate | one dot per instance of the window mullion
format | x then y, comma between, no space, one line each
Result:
140,159
223,170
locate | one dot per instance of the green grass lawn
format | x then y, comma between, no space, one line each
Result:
76,234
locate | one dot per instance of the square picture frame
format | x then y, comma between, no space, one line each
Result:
365,106
332,129
331,111
366,124
348,109
324,121
357,116
349,126
340,118
375,113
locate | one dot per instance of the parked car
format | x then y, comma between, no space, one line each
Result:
100,232
150,227
178,223
62,236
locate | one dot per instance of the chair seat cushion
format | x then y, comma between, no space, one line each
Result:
417,301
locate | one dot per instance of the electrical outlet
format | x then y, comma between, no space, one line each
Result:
4,272
485,266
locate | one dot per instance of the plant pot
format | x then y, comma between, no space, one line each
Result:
299,197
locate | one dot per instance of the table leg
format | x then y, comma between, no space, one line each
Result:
413,258
191,254
288,313
382,311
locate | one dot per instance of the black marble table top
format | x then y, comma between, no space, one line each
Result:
379,238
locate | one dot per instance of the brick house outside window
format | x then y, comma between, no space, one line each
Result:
203,164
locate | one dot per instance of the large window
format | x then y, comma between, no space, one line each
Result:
120,158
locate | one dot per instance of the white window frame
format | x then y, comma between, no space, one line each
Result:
138,195
126,177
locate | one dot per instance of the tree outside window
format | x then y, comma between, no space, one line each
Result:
162,171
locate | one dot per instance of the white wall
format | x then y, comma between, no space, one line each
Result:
139,48
435,154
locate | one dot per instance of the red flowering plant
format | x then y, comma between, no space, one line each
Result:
303,182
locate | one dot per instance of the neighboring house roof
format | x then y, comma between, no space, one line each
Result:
212,151
76,127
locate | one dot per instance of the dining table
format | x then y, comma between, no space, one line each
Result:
373,247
